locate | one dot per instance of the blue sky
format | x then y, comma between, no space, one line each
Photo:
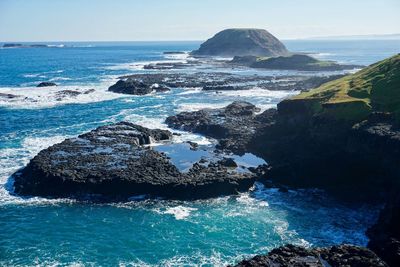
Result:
131,20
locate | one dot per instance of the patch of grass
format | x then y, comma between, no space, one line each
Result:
375,88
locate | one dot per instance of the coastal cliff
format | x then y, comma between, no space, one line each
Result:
345,131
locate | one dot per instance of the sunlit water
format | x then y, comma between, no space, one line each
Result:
219,231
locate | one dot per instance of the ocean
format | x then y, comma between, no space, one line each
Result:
215,232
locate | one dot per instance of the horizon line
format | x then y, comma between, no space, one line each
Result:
329,37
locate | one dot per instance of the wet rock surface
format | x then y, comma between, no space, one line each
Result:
46,84
136,87
290,255
233,125
216,81
113,162
72,93
293,142
385,234
300,149
8,96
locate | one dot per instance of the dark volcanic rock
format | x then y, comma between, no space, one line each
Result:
46,84
220,88
220,81
233,125
242,42
174,52
8,96
12,45
385,234
336,256
301,148
113,162
228,162
65,93
136,87
244,60
71,93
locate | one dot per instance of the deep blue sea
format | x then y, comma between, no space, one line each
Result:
215,232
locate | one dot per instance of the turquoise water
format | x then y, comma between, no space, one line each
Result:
38,231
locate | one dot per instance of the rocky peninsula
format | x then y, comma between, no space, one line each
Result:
142,84
257,48
291,62
115,162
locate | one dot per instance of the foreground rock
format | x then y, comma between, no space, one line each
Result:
46,84
385,234
113,162
133,86
336,256
242,42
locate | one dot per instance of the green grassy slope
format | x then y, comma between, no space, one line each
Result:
296,62
353,97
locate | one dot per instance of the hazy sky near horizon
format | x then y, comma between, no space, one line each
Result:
132,20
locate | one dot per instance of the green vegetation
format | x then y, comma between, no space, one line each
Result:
353,97
296,62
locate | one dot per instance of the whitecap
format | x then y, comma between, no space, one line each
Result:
179,212
259,92
43,97
11,159
198,106
139,65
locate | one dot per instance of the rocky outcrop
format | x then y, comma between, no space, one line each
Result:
222,81
298,62
46,84
244,60
12,45
385,234
133,86
336,256
60,95
242,42
233,125
174,52
299,147
8,96
302,148
113,162
345,131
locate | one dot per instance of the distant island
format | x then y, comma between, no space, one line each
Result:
19,45
393,36
242,42
257,48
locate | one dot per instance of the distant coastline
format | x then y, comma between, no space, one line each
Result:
393,36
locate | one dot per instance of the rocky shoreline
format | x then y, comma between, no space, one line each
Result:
335,256
115,162
142,84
